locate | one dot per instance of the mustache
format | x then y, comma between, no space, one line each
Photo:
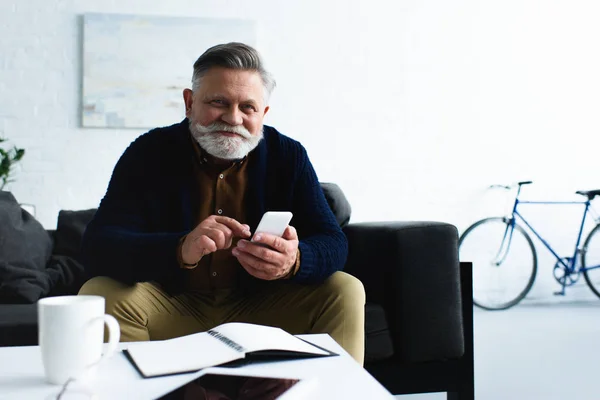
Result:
216,127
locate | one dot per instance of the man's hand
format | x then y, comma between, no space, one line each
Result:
273,261
212,234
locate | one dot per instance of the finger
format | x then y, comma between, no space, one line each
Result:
257,273
290,233
204,245
261,252
255,266
237,228
227,235
220,235
273,241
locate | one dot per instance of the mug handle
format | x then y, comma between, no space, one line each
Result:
114,335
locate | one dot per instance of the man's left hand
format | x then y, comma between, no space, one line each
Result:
269,257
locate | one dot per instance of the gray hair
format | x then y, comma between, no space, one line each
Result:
235,56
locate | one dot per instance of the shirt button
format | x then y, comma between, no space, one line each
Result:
214,274
219,211
221,176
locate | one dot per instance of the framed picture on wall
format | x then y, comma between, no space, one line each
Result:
136,67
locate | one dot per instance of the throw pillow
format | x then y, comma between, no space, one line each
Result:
337,202
25,247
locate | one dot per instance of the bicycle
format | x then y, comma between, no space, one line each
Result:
505,259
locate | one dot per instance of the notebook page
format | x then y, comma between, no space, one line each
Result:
259,337
183,354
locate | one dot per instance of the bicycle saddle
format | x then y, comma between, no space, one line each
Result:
590,194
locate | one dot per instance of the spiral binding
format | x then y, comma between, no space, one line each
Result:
226,340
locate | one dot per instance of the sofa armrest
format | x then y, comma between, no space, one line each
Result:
412,270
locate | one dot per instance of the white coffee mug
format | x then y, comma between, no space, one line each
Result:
71,336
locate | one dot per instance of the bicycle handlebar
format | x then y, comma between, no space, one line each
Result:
511,186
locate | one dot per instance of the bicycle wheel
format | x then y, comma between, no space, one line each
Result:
504,262
590,258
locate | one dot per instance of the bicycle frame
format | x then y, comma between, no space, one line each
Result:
570,267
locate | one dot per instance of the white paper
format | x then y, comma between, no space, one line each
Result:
183,354
259,337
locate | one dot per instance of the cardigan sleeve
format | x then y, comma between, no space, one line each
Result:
118,242
323,246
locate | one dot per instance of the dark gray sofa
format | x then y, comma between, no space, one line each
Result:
419,321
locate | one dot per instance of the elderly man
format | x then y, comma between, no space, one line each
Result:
169,247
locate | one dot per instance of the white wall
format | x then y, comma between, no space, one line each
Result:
411,106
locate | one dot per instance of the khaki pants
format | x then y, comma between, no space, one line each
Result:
146,312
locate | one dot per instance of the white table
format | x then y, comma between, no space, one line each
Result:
22,376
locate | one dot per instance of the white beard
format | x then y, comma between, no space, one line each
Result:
225,147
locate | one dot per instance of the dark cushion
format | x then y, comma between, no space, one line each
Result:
337,202
65,267
69,231
18,325
378,342
25,247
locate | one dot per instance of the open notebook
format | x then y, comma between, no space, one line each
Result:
220,345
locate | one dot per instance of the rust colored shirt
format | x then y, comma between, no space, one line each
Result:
218,190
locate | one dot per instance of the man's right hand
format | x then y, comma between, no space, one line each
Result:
214,233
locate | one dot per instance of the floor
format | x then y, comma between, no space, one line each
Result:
546,349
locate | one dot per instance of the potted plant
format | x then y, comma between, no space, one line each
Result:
8,158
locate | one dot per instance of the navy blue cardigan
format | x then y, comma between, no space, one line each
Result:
147,209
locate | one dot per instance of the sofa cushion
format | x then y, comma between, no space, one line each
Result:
378,342
69,232
337,202
65,267
18,325
25,247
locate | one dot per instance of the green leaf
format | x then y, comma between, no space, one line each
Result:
19,154
8,159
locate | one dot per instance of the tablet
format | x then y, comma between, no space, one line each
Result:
213,386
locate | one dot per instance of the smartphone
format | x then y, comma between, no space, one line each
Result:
274,223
